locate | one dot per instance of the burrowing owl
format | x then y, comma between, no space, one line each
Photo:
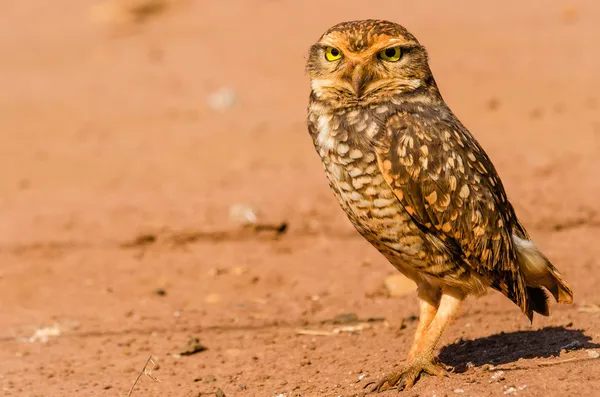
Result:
416,184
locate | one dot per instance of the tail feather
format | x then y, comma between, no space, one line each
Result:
538,301
561,290
538,272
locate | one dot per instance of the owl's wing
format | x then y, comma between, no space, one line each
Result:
448,185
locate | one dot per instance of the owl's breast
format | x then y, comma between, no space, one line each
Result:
354,175
358,126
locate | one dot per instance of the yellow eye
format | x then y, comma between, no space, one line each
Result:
392,54
332,54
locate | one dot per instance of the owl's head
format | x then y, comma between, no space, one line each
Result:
362,62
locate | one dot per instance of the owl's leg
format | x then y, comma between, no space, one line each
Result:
429,301
421,357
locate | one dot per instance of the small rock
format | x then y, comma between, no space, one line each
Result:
160,292
222,99
510,390
522,387
459,391
192,346
593,354
498,376
488,367
242,386
243,214
219,393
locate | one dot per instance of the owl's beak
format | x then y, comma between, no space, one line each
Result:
358,80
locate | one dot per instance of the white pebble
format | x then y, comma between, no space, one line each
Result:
222,99
243,213
498,376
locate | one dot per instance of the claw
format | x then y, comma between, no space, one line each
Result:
408,376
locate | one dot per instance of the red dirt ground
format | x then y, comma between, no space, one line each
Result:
119,178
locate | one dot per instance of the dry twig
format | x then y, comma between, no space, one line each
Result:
312,332
145,371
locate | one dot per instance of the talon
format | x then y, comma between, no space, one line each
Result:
407,377
379,385
369,384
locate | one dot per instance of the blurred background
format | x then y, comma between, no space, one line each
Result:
133,133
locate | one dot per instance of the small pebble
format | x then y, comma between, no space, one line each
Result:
498,376
192,346
593,354
243,214
222,99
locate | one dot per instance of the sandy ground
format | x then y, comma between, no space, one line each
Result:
116,240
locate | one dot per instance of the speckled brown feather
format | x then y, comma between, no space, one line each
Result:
411,178
446,182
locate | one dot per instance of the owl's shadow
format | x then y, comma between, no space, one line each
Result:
505,348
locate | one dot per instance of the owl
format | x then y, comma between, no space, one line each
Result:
417,185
